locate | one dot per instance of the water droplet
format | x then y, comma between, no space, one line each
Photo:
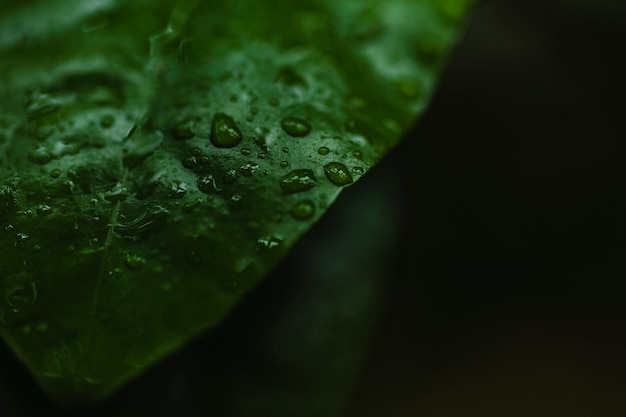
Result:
246,151
303,209
230,176
295,126
196,151
44,210
55,173
248,169
284,164
207,184
298,180
267,243
358,170
337,173
117,193
184,130
224,131
177,189
274,102
191,162
323,150
134,261
285,150
260,137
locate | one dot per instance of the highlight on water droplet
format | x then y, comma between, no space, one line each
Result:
184,130
323,150
295,126
224,131
338,173
298,180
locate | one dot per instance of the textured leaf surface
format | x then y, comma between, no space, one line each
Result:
157,160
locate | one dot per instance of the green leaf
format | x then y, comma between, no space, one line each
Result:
159,158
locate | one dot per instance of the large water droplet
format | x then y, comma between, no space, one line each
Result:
298,180
303,209
323,150
224,131
338,173
295,126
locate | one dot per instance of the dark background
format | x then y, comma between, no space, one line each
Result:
508,296
502,237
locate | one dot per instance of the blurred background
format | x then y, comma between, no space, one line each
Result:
493,237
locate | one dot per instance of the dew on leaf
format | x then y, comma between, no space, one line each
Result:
295,126
260,137
230,176
55,173
224,131
246,151
337,173
303,209
117,193
207,184
298,180
44,210
248,169
358,170
284,164
267,243
323,150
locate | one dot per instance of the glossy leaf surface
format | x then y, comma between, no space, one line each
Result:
159,158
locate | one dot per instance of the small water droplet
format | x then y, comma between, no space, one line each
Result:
284,164
207,184
44,210
323,150
55,173
260,137
337,173
248,169
177,189
117,193
285,150
358,170
224,131
246,151
274,102
230,176
298,180
303,209
295,126
267,243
